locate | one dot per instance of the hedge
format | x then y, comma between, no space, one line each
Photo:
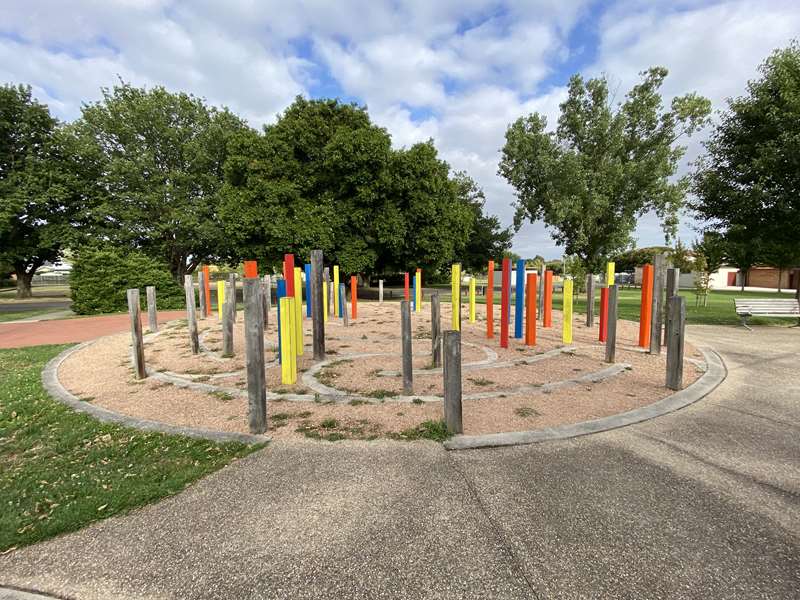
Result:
100,278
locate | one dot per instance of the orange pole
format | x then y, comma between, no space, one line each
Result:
354,295
646,306
530,312
547,320
603,313
405,286
250,269
207,290
490,302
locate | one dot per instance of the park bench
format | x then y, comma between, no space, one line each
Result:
766,307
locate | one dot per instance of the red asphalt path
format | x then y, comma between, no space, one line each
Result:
64,331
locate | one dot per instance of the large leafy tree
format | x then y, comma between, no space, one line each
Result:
38,199
748,184
604,166
159,158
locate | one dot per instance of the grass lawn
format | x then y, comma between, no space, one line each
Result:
15,316
61,470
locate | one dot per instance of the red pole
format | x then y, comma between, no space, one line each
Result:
354,295
646,306
603,313
288,273
207,290
547,320
250,269
530,313
505,293
490,302
405,289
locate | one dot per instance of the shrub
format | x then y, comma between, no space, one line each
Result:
101,276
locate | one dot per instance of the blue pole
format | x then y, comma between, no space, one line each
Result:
308,291
280,293
413,291
341,300
519,296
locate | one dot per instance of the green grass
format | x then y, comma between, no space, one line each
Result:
61,470
427,430
26,314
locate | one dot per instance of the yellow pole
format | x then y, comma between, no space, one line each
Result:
335,291
220,298
566,329
610,274
418,290
472,299
298,310
455,300
288,362
324,301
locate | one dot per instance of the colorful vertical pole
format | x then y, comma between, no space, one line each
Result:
405,286
287,350
547,319
220,298
530,310
288,273
472,299
337,304
519,299
610,274
324,301
298,311
308,290
413,292
340,297
455,296
250,268
645,311
354,296
566,322
207,290
490,301
505,306
280,292
603,314
418,290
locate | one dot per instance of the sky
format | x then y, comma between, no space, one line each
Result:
456,71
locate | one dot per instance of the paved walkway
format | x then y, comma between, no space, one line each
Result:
63,331
702,503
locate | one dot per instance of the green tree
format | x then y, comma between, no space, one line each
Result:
712,247
637,257
604,166
747,184
680,257
160,157
38,200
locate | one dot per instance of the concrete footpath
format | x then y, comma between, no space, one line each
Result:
701,503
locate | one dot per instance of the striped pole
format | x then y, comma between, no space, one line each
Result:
547,320
298,311
505,294
337,303
490,301
455,296
220,298
472,299
566,322
354,295
418,288
645,310
530,313
519,299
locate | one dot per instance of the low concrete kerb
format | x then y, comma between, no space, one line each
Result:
10,593
714,375
59,392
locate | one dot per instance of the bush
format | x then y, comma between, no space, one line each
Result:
101,276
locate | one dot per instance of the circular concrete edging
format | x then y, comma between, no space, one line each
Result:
58,392
714,375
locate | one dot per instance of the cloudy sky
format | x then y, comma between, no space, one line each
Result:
457,71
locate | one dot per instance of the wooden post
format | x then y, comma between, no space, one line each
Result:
201,294
254,355
610,268
673,279
227,324
230,293
540,306
137,343
505,293
307,270
645,306
405,286
298,311
317,318
418,291
519,298
288,359
326,284
547,321
191,315
413,292
405,330
207,278
220,298
677,325
452,381
288,274
345,312
354,295
657,312
530,310
490,301
436,330
266,292
611,324
455,296
152,316
380,291
603,329
566,321
589,300
250,269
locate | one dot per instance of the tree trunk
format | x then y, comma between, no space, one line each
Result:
780,276
743,280
24,284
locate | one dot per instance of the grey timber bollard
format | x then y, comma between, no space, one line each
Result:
405,328
152,315
317,316
201,294
676,307
254,355
657,312
230,293
590,300
345,311
452,381
137,344
191,314
380,291
673,278
436,330
611,324
227,327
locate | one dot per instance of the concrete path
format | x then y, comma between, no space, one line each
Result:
702,503
19,334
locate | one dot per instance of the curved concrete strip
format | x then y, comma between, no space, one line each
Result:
488,362
60,393
714,375
7,593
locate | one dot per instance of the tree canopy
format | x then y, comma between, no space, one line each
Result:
604,166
